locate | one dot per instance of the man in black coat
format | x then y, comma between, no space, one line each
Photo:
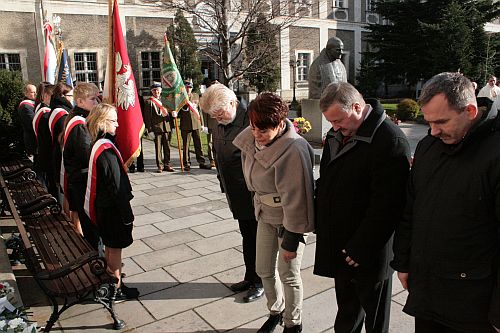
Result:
447,246
26,112
359,200
221,103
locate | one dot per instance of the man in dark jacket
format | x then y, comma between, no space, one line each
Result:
447,246
26,112
359,199
221,103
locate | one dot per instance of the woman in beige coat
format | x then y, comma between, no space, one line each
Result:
277,164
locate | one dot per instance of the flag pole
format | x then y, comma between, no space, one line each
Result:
176,119
111,61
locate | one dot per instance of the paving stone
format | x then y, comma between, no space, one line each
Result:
396,285
186,222
207,206
164,189
140,210
216,243
311,238
171,239
139,194
144,231
137,247
130,267
213,187
138,175
186,322
151,281
206,265
231,276
196,184
175,202
318,312
161,258
224,213
236,312
400,297
180,179
195,191
142,187
216,228
146,201
400,321
150,218
206,176
214,195
184,297
314,284
308,256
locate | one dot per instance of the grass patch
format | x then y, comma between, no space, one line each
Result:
390,109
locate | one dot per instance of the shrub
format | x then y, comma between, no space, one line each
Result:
407,109
11,87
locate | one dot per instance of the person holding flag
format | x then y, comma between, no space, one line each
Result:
157,121
191,123
108,194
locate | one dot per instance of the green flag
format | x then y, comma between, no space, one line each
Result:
173,90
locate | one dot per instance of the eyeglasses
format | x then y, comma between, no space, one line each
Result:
68,95
113,121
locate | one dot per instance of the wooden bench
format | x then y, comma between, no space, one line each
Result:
12,168
63,263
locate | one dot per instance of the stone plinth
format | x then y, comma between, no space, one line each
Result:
311,111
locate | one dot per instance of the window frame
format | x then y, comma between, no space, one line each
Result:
336,4
86,71
150,70
23,54
299,70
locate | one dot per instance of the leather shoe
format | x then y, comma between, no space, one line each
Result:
254,293
140,169
271,323
187,168
240,286
293,329
168,168
205,166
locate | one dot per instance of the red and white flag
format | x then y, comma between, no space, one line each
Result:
120,90
49,59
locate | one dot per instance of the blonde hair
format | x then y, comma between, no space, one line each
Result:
216,97
84,90
96,120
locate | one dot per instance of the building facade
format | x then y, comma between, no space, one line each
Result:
84,33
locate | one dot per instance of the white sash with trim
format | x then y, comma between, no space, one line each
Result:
28,102
100,146
54,117
39,112
158,103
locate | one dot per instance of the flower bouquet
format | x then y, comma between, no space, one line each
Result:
301,125
12,319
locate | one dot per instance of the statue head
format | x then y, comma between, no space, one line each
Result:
334,48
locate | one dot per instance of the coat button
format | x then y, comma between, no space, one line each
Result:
463,275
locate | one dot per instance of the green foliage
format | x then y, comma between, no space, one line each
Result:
185,49
407,109
390,109
425,38
262,56
11,87
368,77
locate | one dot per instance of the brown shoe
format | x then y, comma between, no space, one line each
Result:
205,166
160,170
212,163
187,168
168,168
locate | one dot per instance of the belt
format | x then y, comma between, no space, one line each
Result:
271,199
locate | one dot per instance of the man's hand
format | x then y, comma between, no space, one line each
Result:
204,129
174,114
403,278
496,329
288,256
349,260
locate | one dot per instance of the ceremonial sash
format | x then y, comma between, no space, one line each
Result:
63,177
100,146
160,106
28,102
193,110
39,112
54,117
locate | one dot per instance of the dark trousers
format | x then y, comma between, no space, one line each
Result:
248,229
430,326
210,145
362,301
162,149
186,139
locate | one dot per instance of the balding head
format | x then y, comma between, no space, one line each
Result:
29,91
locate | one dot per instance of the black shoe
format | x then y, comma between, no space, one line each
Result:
140,169
205,166
254,293
293,329
271,323
187,168
240,286
124,293
131,170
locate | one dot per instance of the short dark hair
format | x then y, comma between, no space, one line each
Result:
267,110
457,89
61,89
43,88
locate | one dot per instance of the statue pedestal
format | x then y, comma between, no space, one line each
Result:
311,111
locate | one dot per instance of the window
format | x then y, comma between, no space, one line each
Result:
150,68
86,67
10,61
303,63
340,3
370,5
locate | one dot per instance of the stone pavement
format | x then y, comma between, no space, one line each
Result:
187,251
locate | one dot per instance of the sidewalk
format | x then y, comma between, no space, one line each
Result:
187,251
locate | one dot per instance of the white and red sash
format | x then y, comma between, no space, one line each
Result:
28,102
160,106
39,112
100,146
63,177
54,117
194,109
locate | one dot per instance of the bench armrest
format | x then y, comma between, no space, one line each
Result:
97,267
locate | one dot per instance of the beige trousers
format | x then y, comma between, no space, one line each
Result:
284,293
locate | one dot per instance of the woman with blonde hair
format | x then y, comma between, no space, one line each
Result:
108,195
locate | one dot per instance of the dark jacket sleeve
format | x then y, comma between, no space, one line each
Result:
387,197
147,115
77,154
